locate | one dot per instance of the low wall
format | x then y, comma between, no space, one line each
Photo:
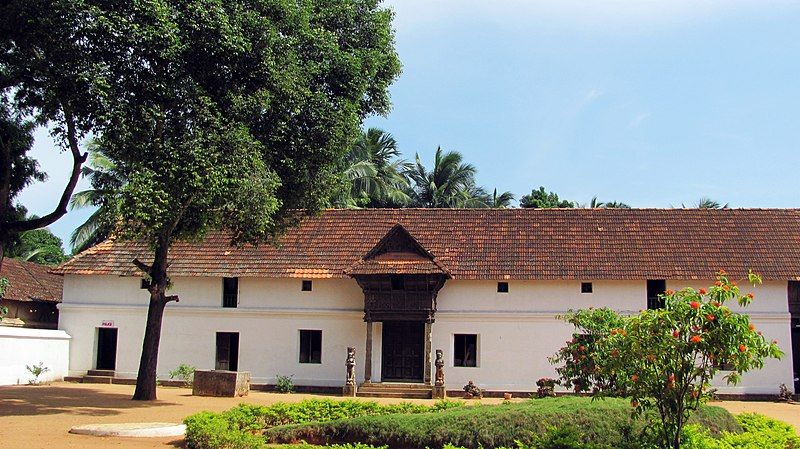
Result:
21,346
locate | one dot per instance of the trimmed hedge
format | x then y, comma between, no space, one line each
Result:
602,424
241,426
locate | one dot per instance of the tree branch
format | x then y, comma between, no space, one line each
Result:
171,298
142,266
61,209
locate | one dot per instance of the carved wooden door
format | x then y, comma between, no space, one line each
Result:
403,351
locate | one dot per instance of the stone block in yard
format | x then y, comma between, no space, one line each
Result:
220,383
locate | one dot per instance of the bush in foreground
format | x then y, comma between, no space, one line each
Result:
759,432
601,424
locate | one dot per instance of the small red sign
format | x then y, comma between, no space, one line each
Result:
107,323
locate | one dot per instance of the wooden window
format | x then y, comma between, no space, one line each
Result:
502,287
230,292
655,288
465,348
306,286
144,284
398,282
794,297
586,287
310,346
227,351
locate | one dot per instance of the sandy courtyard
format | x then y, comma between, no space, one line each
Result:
39,417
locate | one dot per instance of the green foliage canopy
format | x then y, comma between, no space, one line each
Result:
542,199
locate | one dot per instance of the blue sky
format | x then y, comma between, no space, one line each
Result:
650,102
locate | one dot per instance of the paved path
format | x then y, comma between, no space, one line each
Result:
33,417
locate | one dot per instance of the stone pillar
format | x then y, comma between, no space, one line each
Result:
349,388
368,356
427,378
439,391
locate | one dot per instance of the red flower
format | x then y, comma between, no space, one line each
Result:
676,334
750,295
634,403
614,353
718,283
669,292
695,305
742,348
702,291
671,378
722,272
696,339
634,378
752,327
613,332
710,317
716,304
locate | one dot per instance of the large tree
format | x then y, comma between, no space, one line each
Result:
48,77
542,199
239,112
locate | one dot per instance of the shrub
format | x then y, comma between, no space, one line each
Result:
607,424
664,359
207,430
36,371
284,384
546,387
760,432
183,372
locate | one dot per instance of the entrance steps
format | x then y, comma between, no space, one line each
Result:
394,390
99,376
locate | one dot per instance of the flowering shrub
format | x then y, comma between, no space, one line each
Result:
578,365
664,359
546,387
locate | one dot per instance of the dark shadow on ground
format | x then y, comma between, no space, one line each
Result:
47,400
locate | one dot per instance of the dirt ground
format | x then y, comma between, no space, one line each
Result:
34,417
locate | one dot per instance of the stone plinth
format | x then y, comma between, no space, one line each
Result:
349,391
438,392
219,383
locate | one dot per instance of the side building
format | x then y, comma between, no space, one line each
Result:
484,286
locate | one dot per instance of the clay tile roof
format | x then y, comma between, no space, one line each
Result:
30,281
500,244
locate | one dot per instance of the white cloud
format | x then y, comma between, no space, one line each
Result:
593,94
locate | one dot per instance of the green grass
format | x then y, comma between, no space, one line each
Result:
606,423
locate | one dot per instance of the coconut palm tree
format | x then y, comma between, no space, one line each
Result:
708,203
106,180
374,172
500,201
597,204
450,183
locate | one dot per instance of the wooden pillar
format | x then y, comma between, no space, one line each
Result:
368,355
428,345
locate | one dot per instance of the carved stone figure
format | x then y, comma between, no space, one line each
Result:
439,379
350,364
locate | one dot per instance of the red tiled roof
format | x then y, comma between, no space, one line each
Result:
30,281
396,263
500,244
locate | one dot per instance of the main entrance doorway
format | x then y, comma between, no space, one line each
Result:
403,354
106,348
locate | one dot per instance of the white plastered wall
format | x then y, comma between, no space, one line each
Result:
517,331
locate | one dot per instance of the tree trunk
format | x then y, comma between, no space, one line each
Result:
148,364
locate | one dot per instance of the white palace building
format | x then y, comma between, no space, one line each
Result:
483,285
